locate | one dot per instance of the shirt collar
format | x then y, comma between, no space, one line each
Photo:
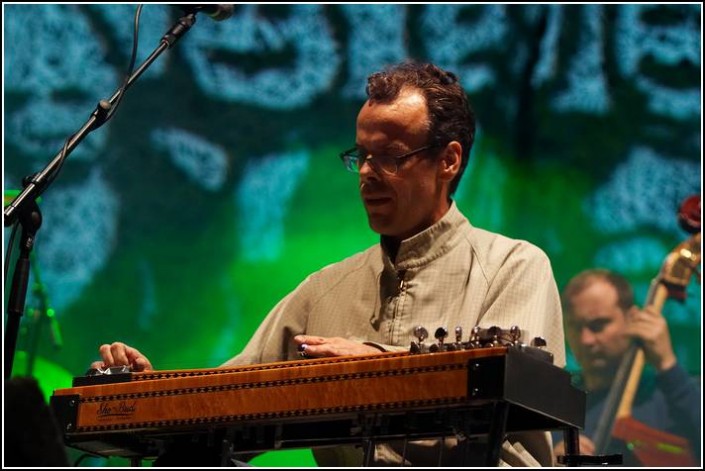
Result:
429,244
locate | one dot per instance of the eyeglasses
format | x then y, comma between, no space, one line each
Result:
353,159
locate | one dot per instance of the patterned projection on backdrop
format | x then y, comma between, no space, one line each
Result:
217,188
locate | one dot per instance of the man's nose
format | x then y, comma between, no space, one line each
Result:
587,336
367,170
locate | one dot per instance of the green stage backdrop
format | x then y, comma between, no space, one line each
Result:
216,188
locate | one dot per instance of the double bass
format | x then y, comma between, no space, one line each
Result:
650,446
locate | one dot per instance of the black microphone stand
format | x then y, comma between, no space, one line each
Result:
24,210
30,219
43,315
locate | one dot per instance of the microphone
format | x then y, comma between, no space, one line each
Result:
218,12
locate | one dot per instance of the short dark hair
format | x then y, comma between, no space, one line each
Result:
625,293
451,117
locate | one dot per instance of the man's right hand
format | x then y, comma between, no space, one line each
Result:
119,354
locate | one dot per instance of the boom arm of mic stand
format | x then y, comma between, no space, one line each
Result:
39,181
24,209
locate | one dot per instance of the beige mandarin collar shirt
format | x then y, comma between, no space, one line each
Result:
451,274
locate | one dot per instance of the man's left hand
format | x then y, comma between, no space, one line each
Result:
649,326
314,346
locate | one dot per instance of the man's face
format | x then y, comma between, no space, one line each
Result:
402,204
596,329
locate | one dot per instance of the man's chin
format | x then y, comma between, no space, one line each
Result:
379,221
600,366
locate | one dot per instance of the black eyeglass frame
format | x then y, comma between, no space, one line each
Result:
352,159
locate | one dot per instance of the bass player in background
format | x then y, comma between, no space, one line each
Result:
601,320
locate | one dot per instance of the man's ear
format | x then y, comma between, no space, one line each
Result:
449,163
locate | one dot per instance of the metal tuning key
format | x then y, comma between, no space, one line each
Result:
515,335
458,338
475,341
440,335
495,336
421,334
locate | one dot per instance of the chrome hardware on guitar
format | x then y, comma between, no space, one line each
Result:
479,338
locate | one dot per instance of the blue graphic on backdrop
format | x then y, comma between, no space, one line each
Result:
263,201
668,44
204,162
587,90
304,34
377,39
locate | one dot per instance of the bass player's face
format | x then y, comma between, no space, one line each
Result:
596,331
